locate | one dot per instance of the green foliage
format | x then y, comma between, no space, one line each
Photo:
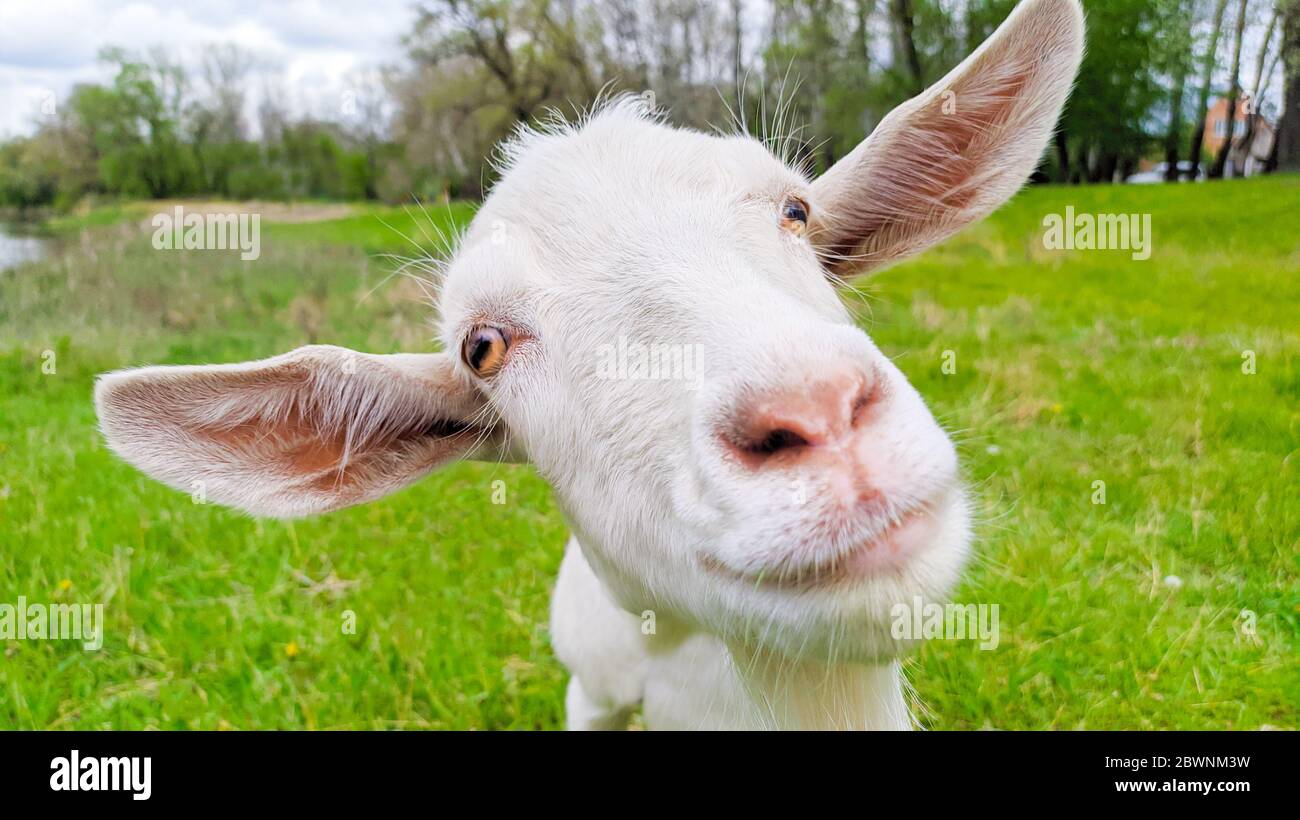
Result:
27,180
142,136
133,128
1118,82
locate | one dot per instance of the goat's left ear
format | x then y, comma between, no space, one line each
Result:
310,431
950,156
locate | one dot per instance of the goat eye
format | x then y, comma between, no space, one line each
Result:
794,216
485,350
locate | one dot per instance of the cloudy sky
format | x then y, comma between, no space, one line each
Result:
315,45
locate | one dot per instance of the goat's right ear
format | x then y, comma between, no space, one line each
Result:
951,155
310,431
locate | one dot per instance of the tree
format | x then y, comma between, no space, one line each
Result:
1256,88
483,67
1207,76
134,125
365,114
1176,54
1234,97
1109,118
737,40
218,132
902,17
1288,140
531,55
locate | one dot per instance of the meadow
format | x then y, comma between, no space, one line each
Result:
1131,430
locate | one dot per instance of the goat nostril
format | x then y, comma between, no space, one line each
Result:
754,448
868,396
779,439
788,424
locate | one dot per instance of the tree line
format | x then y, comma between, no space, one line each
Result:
816,75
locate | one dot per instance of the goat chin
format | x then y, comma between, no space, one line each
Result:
765,657
686,678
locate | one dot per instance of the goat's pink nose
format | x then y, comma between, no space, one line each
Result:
785,425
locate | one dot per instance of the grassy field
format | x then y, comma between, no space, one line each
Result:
1071,369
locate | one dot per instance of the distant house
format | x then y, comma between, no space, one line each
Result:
1244,160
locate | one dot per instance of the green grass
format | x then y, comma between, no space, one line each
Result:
1071,369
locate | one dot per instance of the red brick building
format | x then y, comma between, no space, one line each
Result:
1244,159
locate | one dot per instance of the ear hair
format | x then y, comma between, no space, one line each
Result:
312,430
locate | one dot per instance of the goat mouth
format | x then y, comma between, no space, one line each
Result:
886,552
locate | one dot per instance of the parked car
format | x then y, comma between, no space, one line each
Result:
1157,174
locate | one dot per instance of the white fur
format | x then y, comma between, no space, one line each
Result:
702,591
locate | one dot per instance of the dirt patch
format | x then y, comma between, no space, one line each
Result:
285,212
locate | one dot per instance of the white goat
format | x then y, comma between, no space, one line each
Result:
765,516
